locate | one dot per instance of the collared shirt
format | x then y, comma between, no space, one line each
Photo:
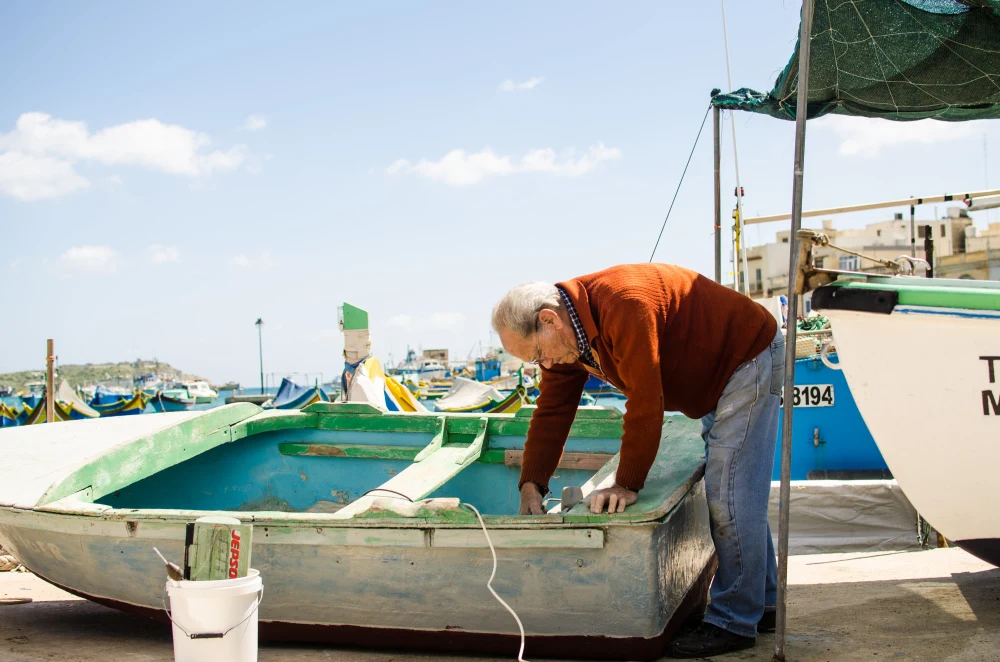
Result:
582,343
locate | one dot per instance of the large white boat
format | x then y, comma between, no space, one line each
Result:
922,359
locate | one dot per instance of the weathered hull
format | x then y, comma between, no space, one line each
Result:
608,592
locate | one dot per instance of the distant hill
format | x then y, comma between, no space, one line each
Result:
91,373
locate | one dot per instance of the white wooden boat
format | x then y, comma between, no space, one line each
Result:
922,359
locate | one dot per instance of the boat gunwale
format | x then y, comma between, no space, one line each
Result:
915,291
99,476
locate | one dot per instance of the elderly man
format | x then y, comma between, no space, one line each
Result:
671,340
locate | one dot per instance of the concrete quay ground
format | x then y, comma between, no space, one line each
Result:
940,604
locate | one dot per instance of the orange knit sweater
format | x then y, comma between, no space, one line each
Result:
668,337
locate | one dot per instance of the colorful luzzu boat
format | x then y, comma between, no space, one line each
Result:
292,396
83,505
922,359
8,417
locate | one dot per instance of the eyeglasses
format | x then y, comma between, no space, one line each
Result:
538,348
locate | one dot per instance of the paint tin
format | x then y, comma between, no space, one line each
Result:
217,548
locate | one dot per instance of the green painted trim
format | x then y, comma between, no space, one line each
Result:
274,420
493,456
316,417
932,292
359,451
582,414
679,464
351,451
355,319
140,458
439,439
360,408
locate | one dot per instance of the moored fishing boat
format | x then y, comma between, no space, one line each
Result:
292,396
597,387
829,437
172,399
8,417
68,406
922,357
363,567
32,393
202,393
128,406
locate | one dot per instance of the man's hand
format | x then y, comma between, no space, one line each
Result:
531,500
616,496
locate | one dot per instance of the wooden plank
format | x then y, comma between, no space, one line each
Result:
569,460
343,408
426,474
520,538
356,451
582,413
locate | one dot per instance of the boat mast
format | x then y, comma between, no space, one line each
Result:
801,114
718,191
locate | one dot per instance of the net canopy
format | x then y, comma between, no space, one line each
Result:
894,59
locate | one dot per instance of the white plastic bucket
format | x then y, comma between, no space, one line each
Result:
215,621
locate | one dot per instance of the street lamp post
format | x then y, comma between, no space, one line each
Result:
260,345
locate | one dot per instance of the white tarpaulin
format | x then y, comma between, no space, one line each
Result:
846,516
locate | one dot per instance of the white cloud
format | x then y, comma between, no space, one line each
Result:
29,177
866,137
459,168
264,259
530,84
255,123
37,158
160,254
90,260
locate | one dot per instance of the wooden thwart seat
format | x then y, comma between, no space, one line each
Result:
434,466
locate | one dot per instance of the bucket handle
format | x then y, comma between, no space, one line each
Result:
211,635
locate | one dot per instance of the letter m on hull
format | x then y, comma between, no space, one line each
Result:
991,401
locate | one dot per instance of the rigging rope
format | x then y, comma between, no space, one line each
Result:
896,266
671,208
739,190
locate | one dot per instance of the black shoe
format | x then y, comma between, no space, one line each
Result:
707,640
766,622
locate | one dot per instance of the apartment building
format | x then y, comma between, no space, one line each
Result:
953,235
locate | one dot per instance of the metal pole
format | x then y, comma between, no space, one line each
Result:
885,204
801,114
260,346
913,232
718,195
50,391
929,250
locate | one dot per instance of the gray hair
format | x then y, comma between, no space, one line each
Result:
519,308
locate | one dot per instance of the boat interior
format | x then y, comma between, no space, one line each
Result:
340,458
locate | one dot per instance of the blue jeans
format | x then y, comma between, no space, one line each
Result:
740,436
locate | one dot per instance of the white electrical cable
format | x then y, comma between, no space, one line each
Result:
489,582
736,162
